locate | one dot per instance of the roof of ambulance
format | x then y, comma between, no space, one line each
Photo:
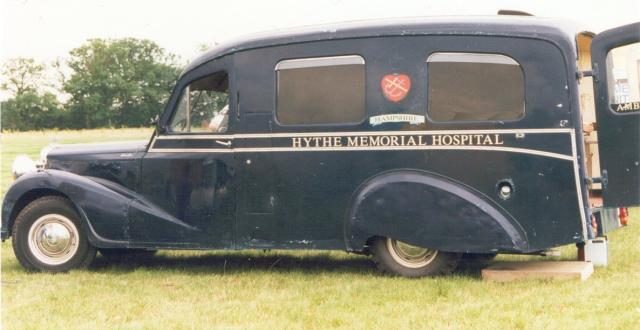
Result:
444,25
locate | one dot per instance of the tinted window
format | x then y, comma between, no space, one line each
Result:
474,87
324,90
203,106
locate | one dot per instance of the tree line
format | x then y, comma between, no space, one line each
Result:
104,83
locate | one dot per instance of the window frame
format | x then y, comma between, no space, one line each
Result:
314,62
186,86
210,68
611,82
471,122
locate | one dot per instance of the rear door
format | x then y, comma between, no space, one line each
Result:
616,63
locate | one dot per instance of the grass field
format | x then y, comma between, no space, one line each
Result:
301,289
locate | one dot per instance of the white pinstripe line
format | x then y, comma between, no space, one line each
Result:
195,137
389,148
187,150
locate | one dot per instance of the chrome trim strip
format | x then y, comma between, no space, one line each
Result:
313,62
471,58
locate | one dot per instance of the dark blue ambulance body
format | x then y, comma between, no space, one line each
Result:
417,141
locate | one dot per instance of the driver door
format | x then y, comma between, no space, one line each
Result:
188,173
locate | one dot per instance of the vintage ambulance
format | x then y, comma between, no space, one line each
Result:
419,142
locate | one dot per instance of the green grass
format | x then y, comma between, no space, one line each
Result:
301,289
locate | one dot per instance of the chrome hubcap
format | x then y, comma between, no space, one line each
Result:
53,239
410,256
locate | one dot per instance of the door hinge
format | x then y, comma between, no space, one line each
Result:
599,179
595,72
582,74
589,73
594,180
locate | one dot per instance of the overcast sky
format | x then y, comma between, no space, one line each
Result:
46,29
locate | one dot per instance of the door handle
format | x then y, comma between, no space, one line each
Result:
224,143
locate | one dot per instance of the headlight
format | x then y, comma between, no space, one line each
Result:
21,165
44,152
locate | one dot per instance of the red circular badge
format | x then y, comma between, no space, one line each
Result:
395,86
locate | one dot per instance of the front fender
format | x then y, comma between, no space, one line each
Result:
103,210
427,210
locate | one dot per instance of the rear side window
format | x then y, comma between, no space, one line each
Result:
321,90
474,87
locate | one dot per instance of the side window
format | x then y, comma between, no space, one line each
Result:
203,106
321,90
474,87
624,83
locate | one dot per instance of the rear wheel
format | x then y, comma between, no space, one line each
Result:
47,236
399,258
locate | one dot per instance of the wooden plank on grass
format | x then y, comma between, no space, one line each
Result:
512,271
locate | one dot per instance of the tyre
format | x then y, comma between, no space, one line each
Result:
47,236
397,258
126,254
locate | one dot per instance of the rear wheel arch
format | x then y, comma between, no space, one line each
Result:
399,204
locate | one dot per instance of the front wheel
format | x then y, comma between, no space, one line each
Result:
399,258
47,237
